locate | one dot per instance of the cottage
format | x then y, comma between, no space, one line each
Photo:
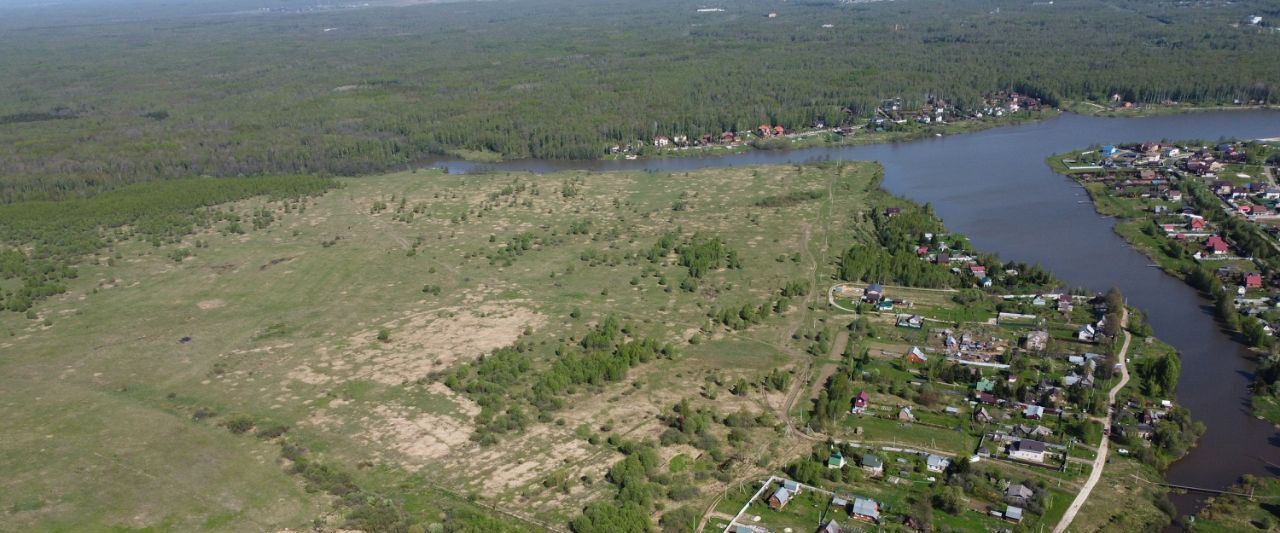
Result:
830,527
860,401
1019,494
1027,450
836,460
1030,431
1253,281
872,465
1216,245
874,293
1033,412
1087,333
780,498
904,415
937,463
1013,514
916,356
865,509
985,385
986,398
1037,341
911,321
982,416
978,271
1196,223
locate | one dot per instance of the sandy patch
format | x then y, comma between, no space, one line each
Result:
211,304
434,340
417,438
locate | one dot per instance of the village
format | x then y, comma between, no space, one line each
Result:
890,116
1002,394
1216,207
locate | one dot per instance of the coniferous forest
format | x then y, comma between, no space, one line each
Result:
98,100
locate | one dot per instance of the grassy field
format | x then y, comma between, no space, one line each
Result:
119,397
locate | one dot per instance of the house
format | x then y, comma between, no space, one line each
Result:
884,305
836,460
1087,333
1216,245
978,271
860,401
904,415
1064,305
985,385
1073,378
1033,412
780,498
1013,514
874,293
865,509
872,465
661,141
1038,301
986,398
1030,431
839,503
982,416
1027,450
916,356
1253,281
937,463
1019,494
985,281
1173,195
911,321
1108,150
830,527
1037,341
1196,223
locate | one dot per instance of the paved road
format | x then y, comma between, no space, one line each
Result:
1101,460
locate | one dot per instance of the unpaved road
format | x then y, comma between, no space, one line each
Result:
1101,460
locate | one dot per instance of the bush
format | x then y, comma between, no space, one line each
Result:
239,424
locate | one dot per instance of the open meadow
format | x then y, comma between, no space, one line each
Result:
177,386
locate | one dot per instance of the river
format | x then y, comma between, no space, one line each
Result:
995,187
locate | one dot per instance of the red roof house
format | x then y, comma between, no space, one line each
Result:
1253,281
1216,245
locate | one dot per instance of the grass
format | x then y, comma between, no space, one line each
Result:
1233,513
282,324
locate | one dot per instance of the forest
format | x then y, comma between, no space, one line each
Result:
42,241
92,103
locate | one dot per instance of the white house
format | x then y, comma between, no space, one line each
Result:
1027,450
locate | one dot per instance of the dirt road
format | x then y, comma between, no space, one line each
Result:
1101,460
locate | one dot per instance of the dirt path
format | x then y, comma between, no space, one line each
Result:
825,372
1101,460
